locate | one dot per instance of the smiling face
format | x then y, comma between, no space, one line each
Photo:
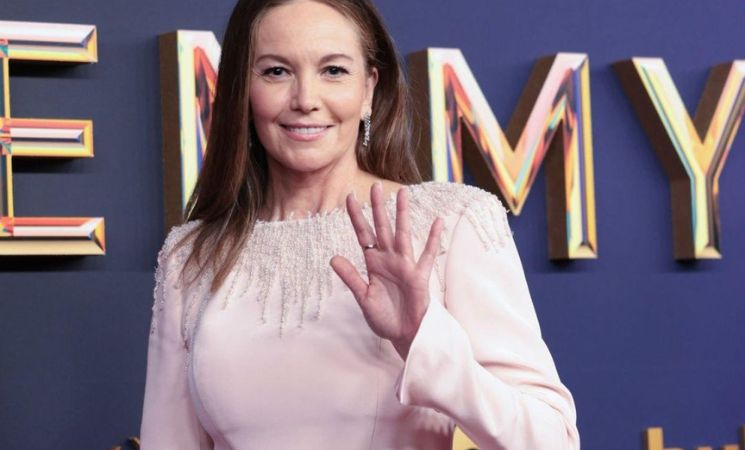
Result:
309,86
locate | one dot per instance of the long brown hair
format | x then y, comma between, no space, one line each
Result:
231,186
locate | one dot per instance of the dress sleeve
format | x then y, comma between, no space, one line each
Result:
168,418
480,357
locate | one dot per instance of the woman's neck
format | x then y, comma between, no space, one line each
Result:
296,195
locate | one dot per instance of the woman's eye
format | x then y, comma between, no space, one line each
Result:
274,72
336,71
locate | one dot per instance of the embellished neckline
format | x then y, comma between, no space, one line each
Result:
310,218
290,258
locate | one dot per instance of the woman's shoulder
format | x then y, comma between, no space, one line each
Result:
459,205
448,198
174,247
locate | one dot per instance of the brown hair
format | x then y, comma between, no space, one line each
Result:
231,186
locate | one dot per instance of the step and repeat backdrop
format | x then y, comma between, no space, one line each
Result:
611,131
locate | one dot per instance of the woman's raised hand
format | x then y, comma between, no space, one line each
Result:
397,295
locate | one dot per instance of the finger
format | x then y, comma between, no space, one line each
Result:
432,248
403,226
362,228
380,217
349,275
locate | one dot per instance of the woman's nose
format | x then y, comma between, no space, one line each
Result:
305,96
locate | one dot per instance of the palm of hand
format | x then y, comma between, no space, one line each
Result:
393,280
395,298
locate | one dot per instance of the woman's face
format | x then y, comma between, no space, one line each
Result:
309,85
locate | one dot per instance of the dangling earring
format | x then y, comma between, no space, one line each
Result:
366,138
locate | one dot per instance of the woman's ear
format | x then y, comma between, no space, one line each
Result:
370,82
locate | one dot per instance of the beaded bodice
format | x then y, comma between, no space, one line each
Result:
294,254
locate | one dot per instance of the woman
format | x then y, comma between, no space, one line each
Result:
257,344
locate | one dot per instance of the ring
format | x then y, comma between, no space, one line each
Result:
369,246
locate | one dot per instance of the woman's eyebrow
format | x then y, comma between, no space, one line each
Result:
274,57
324,59
334,56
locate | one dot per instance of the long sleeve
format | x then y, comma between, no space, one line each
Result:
168,419
480,357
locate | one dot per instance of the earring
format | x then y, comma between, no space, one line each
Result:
366,138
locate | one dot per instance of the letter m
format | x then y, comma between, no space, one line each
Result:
456,127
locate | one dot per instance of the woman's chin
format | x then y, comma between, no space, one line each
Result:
309,161
306,166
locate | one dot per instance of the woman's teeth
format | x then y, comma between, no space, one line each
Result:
306,130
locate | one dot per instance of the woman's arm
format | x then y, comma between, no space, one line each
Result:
480,358
168,418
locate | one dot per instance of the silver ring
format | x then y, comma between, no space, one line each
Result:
369,246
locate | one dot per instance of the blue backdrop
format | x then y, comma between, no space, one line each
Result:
641,340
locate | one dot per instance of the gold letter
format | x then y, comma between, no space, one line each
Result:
693,152
33,41
188,75
551,122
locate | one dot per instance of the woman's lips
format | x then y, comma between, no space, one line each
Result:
305,133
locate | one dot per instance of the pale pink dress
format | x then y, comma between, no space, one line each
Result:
282,358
